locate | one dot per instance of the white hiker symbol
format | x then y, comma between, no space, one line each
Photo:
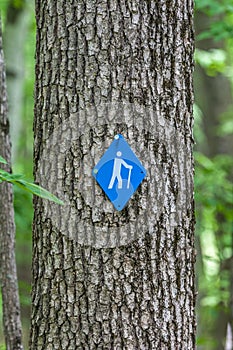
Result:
118,162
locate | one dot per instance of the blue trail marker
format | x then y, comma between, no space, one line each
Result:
119,172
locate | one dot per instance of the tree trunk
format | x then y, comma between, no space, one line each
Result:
15,36
8,276
107,279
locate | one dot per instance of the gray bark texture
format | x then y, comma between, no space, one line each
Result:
104,279
8,275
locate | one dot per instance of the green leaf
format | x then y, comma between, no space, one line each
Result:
38,191
16,176
213,61
204,161
10,177
16,179
226,128
2,160
5,176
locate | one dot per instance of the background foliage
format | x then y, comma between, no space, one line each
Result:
214,163
214,171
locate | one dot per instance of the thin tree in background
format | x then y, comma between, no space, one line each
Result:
14,38
102,278
8,275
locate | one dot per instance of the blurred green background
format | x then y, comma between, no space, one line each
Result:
213,110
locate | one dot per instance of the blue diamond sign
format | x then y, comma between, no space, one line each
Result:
119,172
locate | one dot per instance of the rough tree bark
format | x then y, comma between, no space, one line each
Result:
8,275
107,279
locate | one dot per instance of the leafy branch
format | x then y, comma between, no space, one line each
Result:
18,180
